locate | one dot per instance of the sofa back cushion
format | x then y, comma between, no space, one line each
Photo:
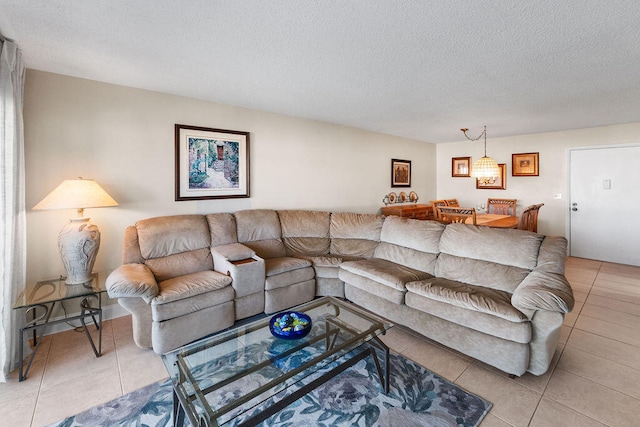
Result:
305,232
517,248
223,229
410,242
260,230
484,256
355,235
176,245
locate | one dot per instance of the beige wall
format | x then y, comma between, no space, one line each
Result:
124,139
553,148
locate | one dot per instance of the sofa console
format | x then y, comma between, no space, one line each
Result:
498,295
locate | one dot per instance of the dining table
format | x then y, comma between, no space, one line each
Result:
495,220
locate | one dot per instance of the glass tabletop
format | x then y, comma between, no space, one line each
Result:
48,291
225,375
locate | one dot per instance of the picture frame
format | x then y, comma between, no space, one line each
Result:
211,163
500,183
525,164
460,167
400,173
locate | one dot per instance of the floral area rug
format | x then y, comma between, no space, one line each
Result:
417,397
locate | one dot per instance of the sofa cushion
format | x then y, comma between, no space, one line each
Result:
479,273
305,232
289,278
488,324
373,287
475,298
385,272
180,264
222,227
274,266
418,260
168,235
327,261
423,236
516,248
190,285
174,303
260,230
355,234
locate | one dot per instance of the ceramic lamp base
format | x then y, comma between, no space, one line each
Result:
79,241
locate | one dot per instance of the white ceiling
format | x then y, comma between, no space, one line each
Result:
418,69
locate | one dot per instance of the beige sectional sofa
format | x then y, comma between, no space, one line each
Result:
497,295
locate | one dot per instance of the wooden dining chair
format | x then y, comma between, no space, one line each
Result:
436,204
449,214
529,218
453,202
501,206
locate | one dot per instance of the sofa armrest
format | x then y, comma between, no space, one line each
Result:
132,280
544,291
243,265
232,252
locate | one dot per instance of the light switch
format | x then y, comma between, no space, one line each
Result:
557,196
606,184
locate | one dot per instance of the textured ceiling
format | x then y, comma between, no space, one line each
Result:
418,69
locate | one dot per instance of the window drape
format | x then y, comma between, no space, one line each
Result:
12,203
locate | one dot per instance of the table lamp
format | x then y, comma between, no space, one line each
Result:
79,240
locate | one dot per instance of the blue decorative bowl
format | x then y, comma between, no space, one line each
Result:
290,325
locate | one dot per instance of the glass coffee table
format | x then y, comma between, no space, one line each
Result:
245,375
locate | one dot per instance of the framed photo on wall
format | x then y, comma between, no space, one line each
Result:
211,163
498,183
461,166
400,173
524,164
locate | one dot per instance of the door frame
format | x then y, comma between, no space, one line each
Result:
568,178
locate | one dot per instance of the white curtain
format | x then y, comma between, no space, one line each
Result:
12,211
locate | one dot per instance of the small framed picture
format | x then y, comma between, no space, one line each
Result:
211,163
524,164
400,173
497,183
461,166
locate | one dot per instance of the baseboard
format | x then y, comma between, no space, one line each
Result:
111,311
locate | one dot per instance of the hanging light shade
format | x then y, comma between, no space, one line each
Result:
485,167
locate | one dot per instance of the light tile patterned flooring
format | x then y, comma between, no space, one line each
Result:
594,379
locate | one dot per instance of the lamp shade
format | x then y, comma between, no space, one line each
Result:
77,194
485,167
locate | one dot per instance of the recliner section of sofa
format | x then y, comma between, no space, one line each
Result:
497,295
176,281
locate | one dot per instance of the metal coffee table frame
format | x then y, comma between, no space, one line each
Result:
358,346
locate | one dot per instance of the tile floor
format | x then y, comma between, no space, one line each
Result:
594,379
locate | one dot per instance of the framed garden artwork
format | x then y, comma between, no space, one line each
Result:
400,173
211,163
524,164
460,166
497,183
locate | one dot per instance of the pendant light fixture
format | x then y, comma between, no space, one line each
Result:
485,168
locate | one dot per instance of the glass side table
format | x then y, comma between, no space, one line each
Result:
45,295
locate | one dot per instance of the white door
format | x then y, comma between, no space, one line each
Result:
605,204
